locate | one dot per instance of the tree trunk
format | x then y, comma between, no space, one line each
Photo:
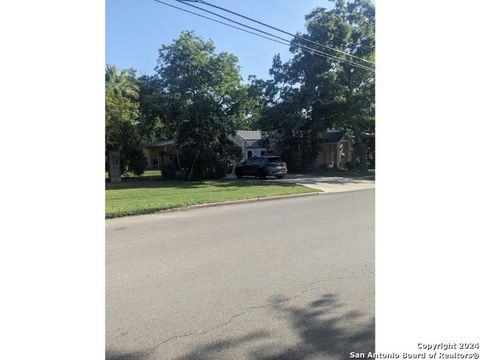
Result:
177,156
190,173
362,151
177,153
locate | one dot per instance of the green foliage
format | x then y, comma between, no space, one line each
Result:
197,98
121,113
151,104
203,101
137,162
123,84
309,93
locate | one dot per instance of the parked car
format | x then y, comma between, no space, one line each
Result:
262,166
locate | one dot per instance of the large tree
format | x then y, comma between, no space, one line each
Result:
203,100
152,102
121,115
310,93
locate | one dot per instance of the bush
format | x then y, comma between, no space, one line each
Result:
137,162
170,171
350,166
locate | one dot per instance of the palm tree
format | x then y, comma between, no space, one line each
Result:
121,84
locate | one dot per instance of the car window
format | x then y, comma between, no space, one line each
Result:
274,159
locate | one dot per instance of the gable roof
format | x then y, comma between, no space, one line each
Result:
333,136
159,143
250,134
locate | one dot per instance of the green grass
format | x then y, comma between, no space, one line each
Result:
143,197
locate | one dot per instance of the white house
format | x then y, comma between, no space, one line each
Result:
250,142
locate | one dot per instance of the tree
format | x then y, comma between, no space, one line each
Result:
152,101
322,92
203,100
121,114
123,84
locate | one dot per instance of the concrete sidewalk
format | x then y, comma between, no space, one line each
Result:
330,184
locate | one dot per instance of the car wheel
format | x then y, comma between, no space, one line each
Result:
261,174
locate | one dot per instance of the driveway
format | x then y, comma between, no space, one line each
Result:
330,184
285,279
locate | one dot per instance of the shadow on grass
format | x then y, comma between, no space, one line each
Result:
223,183
320,328
345,173
326,180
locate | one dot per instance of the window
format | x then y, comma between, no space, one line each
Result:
249,154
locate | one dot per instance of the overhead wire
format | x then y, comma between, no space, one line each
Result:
221,22
295,44
282,10
275,28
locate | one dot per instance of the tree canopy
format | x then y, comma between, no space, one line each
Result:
197,97
203,100
121,114
310,93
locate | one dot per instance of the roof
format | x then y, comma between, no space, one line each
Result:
250,134
253,144
333,136
159,143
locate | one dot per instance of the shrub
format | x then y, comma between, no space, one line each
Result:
350,166
170,171
137,162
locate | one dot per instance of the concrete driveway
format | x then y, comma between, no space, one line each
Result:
330,184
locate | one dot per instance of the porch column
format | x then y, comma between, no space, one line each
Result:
337,155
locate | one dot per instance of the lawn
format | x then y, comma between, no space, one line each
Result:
147,173
142,197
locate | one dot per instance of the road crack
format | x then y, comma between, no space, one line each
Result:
304,290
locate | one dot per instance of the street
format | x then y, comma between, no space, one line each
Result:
283,279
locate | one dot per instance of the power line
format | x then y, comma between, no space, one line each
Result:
283,10
221,22
309,49
275,28
283,42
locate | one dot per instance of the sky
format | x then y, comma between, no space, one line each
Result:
136,29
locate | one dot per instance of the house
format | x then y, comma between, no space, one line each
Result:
250,142
336,149
159,153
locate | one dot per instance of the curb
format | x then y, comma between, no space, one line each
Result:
244,201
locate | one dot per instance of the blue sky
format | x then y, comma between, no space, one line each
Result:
135,30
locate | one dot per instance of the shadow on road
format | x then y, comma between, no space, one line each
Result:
321,333
139,355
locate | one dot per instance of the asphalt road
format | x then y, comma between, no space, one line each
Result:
283,279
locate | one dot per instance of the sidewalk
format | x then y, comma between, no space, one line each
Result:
330,184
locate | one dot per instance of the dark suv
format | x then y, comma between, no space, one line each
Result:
262,166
